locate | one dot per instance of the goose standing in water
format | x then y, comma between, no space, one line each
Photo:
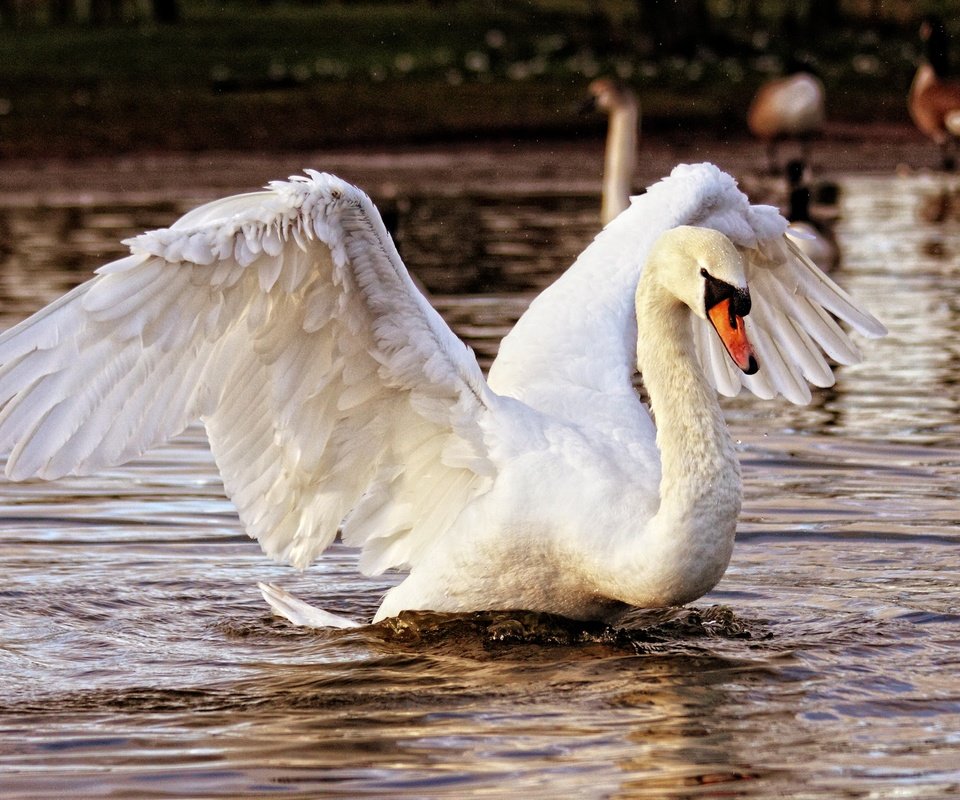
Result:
336,398
934,100
792,107
620,153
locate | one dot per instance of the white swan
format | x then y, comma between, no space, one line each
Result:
620,152
332,392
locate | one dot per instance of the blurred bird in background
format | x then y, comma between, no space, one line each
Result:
788,108
934,99
813,237
620,105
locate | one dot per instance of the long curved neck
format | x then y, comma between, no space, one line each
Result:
619,159
692,435
923,79
700,487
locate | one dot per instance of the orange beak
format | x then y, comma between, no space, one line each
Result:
733,334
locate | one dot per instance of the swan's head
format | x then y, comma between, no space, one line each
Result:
702,268
607,94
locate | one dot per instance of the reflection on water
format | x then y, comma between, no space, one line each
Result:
137,659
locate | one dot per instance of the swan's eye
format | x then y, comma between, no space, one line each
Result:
716,291
704,273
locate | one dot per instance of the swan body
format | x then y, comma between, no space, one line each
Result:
620,153
336,398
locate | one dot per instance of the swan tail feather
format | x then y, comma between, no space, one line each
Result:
294,610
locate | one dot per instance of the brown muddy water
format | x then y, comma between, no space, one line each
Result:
138,660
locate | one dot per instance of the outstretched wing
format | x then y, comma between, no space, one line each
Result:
287,322
792,324
793,321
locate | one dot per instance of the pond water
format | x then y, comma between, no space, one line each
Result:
137,658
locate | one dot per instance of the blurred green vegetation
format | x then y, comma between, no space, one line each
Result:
245,75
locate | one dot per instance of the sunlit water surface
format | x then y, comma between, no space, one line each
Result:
137,658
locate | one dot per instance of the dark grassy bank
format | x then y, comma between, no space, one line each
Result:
292,77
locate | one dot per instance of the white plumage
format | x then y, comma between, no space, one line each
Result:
336,398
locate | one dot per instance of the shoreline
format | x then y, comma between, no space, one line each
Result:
384,172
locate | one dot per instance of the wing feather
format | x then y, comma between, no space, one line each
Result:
792,325
285,320
808,354
793,321
541,360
